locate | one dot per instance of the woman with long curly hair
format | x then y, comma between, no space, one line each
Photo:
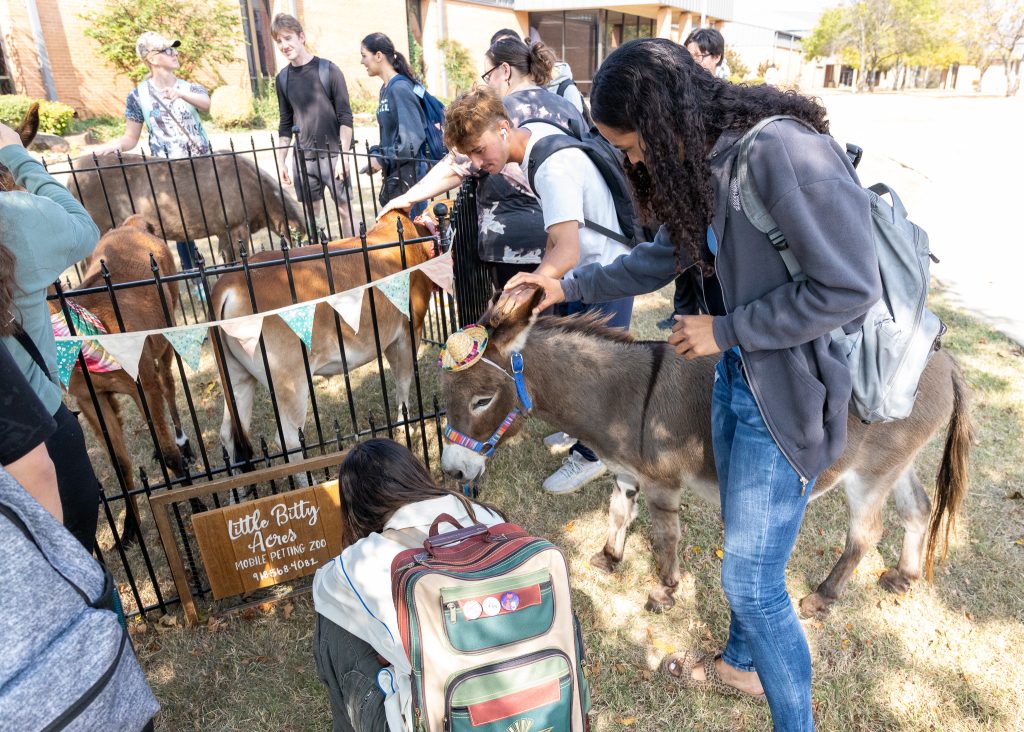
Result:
781,385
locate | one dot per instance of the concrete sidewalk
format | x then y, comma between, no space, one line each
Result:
958,164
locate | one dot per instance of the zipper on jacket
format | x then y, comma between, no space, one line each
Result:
72,712
753,386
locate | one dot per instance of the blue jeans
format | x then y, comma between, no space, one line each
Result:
621,312
762,508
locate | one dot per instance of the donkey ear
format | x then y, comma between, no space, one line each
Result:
510,316
29,126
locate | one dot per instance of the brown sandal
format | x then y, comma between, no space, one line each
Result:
685,661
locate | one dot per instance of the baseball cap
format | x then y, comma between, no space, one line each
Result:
152,41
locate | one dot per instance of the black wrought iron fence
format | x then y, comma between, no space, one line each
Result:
235,195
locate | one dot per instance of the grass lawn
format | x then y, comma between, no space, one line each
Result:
943,657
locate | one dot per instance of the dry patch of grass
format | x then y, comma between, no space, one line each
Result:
946,656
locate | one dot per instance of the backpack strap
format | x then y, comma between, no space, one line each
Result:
754,207
548,146
563,85
32,350
324,70
408,537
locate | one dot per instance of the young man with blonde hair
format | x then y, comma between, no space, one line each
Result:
312,94
579,213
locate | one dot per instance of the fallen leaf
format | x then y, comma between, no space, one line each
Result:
837,550
620,668
719,553
287,610
169,621
248,614
153,647
696,550
1015,496
849,626
215,624
626,721
570,526
265,608
596,668
647,675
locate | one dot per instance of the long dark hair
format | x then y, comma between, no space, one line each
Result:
535,60
380,43
8,322
379,477
653,86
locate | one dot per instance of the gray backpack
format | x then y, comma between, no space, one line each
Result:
66,660
890,350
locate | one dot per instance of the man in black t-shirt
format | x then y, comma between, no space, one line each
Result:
312,94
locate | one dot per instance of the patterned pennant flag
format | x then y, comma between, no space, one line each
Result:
396,289
126,348
349,306
67,356
300,320
440,271
188,344
246,331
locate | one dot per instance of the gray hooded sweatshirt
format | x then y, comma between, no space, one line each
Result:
799,378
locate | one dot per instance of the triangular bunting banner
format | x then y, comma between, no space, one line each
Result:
300,320
349,306
246,331
440,271
67,355
189,344
396,289
126,348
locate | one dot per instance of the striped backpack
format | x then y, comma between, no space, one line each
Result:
486,618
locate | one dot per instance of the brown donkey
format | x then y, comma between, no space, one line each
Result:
271,289
222,194
126,250
652,426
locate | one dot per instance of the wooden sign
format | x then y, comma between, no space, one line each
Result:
270,540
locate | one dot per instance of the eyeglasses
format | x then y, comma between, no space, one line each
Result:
486,75
700,56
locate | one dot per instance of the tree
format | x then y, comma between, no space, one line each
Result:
458,65
991,31
877,34
737,69
209,32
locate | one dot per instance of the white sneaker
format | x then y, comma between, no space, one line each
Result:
559,442
575,473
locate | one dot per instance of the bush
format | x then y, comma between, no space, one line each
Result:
458,65
264,105
54,117
231,107
364,104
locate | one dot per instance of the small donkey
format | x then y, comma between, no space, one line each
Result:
652,426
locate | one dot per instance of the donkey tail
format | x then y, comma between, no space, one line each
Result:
951,482
241,448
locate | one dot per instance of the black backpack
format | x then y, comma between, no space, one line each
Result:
560,91
609,164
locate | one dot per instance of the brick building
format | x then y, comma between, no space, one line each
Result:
47,55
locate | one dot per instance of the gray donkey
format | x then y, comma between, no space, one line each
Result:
221,194
651,424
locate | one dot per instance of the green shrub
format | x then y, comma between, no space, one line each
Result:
459,66
105,127
364,105
54,117
264,105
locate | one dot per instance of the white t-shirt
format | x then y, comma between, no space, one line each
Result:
570,188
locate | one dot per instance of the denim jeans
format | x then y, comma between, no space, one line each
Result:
348,667
763,504
621,312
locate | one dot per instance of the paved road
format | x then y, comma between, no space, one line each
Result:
958,164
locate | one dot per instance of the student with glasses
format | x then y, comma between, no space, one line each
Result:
169,108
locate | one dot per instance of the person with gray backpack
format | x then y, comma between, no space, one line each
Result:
781,394
67,660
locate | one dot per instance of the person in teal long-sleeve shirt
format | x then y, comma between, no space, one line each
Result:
47,231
